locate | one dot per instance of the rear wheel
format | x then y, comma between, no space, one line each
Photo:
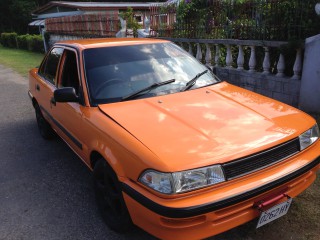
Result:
109,198
44,127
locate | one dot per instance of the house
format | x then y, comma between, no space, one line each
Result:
56,9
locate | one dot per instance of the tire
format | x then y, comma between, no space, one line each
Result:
44,127
110,199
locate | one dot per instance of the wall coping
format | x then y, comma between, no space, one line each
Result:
261,43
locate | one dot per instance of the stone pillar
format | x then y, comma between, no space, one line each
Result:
310,80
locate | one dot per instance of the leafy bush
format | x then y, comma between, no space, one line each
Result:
28,42
9,39
35,43
131,21
276,20
22,41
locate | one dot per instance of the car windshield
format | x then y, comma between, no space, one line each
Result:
116,72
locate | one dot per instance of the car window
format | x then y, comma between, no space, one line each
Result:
115,72
70,77
49,67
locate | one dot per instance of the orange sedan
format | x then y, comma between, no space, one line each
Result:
173,149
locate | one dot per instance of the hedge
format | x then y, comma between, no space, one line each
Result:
28,42
9,40
22,41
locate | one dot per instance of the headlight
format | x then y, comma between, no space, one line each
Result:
161,182
309,137
179,182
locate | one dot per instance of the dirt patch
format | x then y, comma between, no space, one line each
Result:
302,222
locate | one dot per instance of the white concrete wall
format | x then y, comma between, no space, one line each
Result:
310,81
283,89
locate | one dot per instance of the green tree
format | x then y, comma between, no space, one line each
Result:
131,21
15,15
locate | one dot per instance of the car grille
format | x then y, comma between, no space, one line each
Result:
261,160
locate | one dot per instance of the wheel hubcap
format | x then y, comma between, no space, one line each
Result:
109,196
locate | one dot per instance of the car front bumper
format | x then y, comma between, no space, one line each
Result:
203,214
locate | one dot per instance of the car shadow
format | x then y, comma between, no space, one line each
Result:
47,192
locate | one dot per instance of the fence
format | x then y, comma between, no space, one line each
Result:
102,25
162,17
259,66
279,20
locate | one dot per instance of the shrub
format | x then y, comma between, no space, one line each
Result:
22,41
35,43
9,39
28,42
131,21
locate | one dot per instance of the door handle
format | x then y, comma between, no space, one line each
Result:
53,101
37,87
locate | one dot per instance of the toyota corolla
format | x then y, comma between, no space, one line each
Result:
173,149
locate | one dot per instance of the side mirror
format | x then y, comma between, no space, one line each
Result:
66,94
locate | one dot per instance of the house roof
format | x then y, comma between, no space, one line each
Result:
58,14
37,23
87,6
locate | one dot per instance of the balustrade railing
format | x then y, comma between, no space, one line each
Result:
242,55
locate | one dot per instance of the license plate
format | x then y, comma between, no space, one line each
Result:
274,213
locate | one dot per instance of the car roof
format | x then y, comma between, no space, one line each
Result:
108,42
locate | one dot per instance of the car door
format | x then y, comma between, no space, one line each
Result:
46,83
68,116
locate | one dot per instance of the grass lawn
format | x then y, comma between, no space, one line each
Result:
20,60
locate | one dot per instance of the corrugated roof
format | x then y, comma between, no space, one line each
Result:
93,5
59,14
37,23
104,4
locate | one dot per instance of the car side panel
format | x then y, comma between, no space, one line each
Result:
120,149
42,91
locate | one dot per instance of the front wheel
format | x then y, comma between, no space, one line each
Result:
109,198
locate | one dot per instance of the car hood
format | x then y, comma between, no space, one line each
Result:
209,125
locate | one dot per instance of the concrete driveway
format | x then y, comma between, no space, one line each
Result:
45,190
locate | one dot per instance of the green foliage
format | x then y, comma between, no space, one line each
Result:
168,8
192,10
28,42
131,21
35,43
280,20
9,40
15,15
22,41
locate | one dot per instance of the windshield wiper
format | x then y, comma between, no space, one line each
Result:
193,81
154,85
